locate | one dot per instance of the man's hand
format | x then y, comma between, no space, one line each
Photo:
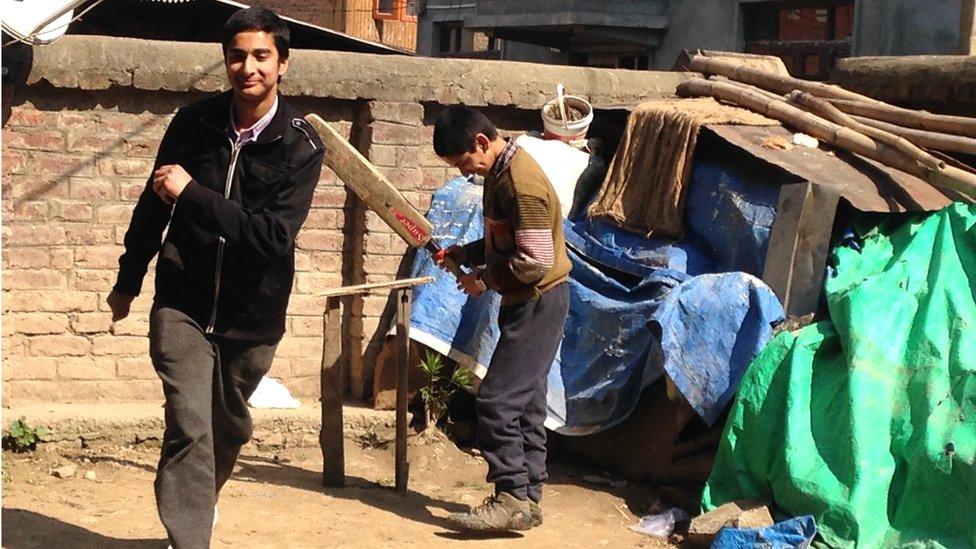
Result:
169,181
471,284
119,303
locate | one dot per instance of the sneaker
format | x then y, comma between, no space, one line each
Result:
536,513
500,512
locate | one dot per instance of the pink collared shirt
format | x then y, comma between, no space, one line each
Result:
251,134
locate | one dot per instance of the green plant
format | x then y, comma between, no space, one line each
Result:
22,437
440,386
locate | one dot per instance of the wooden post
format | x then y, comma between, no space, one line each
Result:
967,28
403,381
332,385
798,245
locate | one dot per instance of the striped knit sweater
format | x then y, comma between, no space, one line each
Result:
524,251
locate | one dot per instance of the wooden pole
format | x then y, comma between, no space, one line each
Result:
332,383
920,120
922,138
402,472
770,81
948,177
967,28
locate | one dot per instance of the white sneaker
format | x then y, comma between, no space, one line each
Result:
214,524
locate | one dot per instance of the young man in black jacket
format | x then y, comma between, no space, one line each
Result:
233,179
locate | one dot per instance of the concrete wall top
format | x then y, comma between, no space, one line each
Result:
949,79
94,62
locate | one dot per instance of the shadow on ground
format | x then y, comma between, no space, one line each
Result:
24,529
412,506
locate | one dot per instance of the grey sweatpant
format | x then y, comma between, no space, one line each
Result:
511,403
206,381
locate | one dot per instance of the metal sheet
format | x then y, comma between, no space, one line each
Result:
867,185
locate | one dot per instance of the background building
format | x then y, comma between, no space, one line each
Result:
650,34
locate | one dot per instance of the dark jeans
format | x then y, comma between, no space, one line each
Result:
511,403
206,382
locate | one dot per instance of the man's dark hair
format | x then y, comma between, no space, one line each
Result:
259,19
456,128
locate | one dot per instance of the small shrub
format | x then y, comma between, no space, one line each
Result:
22,437
440,387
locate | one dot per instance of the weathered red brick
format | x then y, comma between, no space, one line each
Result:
94,280
408,113
37,187
114,213
36,323
26,210
119,345
61,165
55,302
311,283
317,239
62,258
13,162
71,211
129,167
59,345
381,264
27,115
35,140
36,368
383,155
334,197
32,234
322,218
396,134
86,234
98,257
135,368
33,279
94,189
91,323
25,258
87,368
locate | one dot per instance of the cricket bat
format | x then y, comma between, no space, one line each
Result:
377,193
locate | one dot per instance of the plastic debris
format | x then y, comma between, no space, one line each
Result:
270,393
660,525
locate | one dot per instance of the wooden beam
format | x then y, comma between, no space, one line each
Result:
967,28
374,286
798,245
402,472
332,382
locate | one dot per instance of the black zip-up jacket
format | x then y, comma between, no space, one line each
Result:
228,260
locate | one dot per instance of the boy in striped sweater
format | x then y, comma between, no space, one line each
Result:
522,257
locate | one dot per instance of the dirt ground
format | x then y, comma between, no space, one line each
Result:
275,499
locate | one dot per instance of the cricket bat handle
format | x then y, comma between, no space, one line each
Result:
453,267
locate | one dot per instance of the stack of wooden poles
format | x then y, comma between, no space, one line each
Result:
904,139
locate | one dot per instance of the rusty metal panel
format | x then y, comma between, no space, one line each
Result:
867,185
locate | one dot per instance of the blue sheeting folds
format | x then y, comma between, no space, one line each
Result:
636,308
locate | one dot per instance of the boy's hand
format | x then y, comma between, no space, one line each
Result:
452,254
169,182
471,284
119,303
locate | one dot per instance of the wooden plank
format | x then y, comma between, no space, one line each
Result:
371,186
371,287
402,472
798,245
332,384
812,248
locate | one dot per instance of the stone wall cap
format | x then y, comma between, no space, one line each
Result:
98,63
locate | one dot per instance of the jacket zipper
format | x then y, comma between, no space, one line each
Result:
235,151
228,182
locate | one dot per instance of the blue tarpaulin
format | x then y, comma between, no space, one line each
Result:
796,533
636,310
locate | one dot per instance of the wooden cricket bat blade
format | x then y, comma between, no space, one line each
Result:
371,186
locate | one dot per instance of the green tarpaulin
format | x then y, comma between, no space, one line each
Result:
868,421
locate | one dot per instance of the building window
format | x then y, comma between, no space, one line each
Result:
397,10
809,38
448,37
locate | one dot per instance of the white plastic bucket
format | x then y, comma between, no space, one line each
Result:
571,131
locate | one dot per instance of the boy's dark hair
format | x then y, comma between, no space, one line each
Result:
259,19
456,128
